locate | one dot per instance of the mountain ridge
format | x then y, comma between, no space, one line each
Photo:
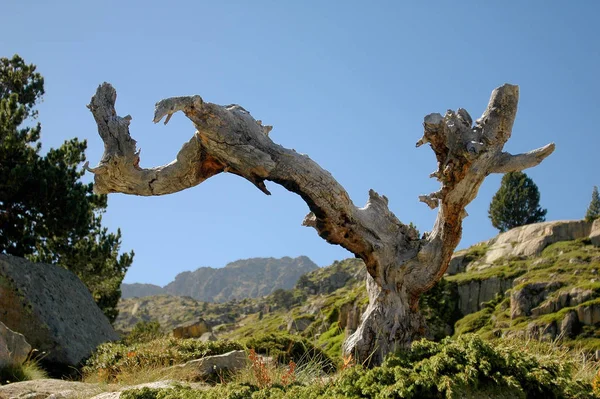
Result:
243,278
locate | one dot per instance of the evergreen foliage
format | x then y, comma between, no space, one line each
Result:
516,203
144,331
46,213
593,211
467,367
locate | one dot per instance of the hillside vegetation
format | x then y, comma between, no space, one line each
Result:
511,319
549,296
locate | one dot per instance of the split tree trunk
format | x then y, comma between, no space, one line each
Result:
400,264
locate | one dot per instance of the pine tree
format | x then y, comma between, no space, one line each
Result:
593,211
46,213
516,203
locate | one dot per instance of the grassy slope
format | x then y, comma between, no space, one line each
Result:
466,366
574,264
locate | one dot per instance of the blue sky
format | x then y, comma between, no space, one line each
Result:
346,82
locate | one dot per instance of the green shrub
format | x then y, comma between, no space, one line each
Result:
439,306
144,331
30,370
112,359
467,367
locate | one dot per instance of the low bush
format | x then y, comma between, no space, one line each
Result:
467,367
30,370
113,359
144,331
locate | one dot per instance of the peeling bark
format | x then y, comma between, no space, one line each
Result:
401,265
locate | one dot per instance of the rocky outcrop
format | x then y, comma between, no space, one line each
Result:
349,318
524,299
299,324
531,239
563,299
473,294
208,337
193,330
589,315
202,368
458,263
569,326
53,309
14,349
595,233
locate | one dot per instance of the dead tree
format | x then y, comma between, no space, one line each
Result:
401,265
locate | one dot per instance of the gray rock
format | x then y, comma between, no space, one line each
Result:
231,361
61,389
595,233
14,349
544,332
48,389
564,299
569,326
523,300
299,324
208,336
53,309
578,296
472,295
353,319
545,308
531,239
458,263
589,315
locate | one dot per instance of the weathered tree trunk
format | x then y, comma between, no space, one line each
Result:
401,265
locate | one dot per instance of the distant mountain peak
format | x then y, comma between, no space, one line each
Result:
243,278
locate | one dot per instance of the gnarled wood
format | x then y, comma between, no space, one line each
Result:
401,265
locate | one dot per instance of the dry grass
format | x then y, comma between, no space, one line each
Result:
584,366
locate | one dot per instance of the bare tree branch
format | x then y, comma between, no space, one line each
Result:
401,265
516,163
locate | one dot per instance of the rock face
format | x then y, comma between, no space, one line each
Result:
531,239
14,349
477,292
574,297
53,309
194,330
595,233
569,325
523,300
299,324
